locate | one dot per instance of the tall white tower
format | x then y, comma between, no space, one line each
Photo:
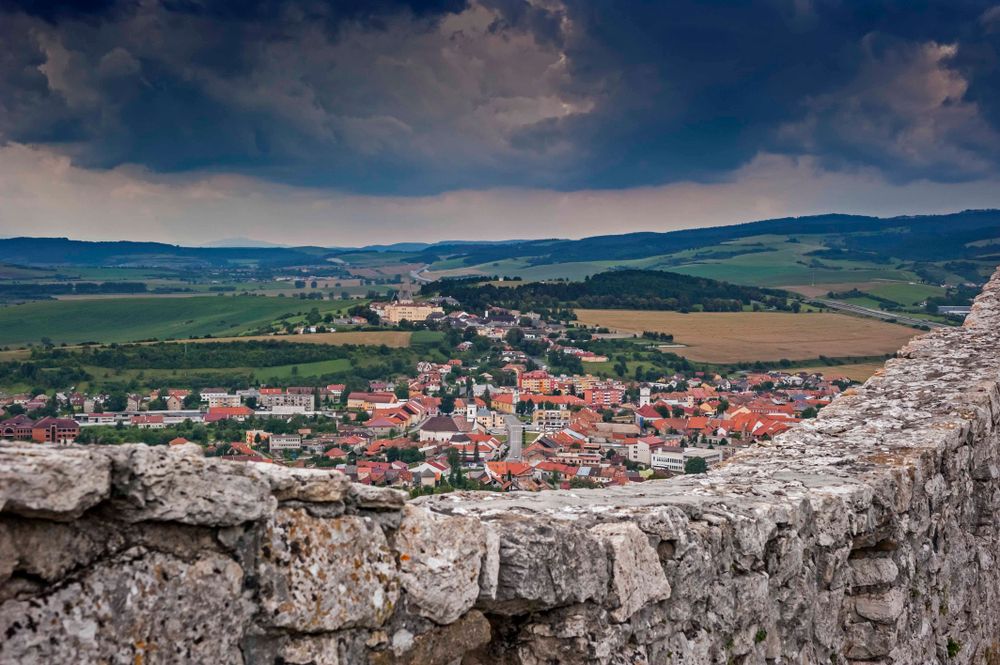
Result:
470,409
644,396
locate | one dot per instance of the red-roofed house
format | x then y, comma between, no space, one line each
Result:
148,421
55,430
217,413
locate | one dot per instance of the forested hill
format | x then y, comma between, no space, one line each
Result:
617,289
918,237
66,252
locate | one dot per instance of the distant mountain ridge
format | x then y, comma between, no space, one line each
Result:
920,237
915,237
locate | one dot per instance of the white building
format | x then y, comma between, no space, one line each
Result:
300,401
279,442
222,400
674,460
549,420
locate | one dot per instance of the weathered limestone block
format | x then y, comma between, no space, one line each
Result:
306,485
882,607
318,574
636,576
177,484
367,497
57,483
571,635
139,607
869,641
872,571
489,572
443,646
439,562
547,564
49,550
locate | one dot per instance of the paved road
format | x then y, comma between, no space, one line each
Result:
877,313
418,277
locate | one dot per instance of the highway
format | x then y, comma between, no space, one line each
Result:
418,277
877,313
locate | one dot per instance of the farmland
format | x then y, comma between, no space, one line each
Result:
130,319
392,338
854,371
728,337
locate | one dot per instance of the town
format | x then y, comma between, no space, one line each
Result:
527,425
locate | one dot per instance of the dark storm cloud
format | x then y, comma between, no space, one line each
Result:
695,90
413,97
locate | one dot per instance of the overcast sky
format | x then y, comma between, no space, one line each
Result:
376,121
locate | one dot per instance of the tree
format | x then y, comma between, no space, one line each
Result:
809,412
192,401
514,337
116,401
457,476
694,465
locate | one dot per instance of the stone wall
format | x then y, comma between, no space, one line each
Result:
867,535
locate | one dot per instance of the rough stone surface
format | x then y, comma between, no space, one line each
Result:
546,565
636,576
867,535
324,574
139,606
305,485
39,481
182,486
441,646
439,563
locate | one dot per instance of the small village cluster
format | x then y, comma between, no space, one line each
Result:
542,432
533,430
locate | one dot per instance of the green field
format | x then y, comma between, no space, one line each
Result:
420,337
279,373
130,319
766,261
786,263
286,372
904,293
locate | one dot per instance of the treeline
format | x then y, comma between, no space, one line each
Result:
838,254
39,377
197,355
955,297
618,289
36,291
198,364
216,355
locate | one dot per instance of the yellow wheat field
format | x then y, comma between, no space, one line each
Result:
724,337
